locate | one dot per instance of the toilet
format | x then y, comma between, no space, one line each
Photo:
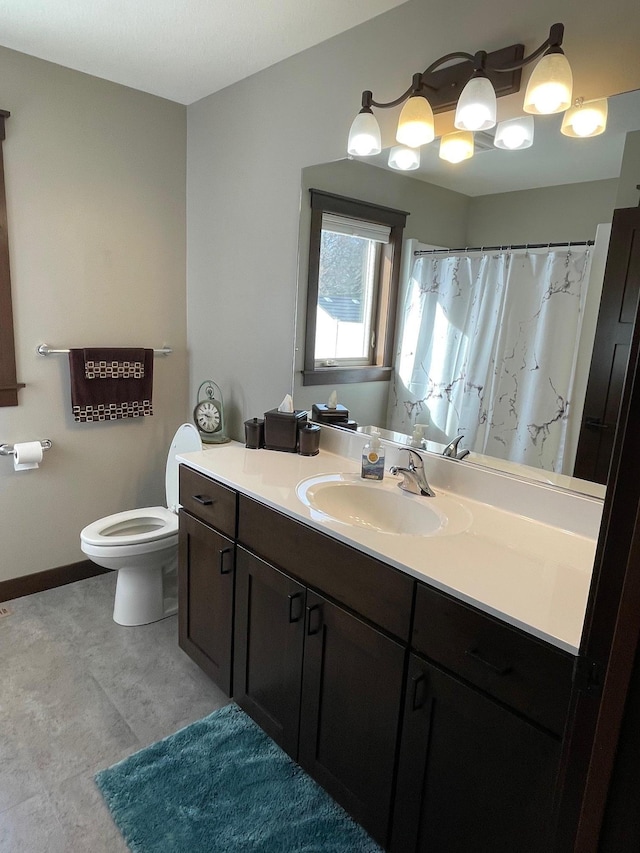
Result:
142,546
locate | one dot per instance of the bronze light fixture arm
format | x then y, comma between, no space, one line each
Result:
480,61
418,83
552,45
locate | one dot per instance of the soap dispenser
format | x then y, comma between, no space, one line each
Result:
373,458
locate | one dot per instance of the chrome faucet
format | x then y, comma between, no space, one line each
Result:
452,451
414,479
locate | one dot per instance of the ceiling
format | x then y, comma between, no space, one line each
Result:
182,50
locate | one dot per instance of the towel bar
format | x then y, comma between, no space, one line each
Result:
8,449
45,349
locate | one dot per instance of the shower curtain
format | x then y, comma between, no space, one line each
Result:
487,348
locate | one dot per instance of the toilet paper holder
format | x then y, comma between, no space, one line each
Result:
9,450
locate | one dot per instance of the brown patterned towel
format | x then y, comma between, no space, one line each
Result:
108,384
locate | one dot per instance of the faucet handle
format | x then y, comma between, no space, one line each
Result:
452,451
415,460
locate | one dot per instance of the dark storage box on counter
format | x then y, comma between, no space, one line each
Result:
321,413
281,429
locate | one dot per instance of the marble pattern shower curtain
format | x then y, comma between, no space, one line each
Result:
487,348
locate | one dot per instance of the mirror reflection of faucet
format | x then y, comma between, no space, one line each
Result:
452,451
414,479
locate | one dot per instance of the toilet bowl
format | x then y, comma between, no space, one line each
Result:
142,546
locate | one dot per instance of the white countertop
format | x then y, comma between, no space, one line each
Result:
529,573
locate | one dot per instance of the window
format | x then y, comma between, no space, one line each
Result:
8,384
354,266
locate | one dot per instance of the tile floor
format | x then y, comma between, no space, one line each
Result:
78,693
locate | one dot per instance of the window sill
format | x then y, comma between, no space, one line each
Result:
344,375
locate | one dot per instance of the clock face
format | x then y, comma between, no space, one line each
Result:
207,416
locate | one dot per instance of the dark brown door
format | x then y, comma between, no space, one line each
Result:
351,693
206,566
268,648
472,776
611,347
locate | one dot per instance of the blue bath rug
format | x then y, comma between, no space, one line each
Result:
220,785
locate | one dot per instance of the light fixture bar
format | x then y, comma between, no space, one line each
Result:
442,86
449,82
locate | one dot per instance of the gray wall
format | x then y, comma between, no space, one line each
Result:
248,144
438,215
95,182
548,214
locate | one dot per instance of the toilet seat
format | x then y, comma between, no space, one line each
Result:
131,527
146,527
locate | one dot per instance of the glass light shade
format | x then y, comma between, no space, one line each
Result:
515,134
415,125
364,136
550,85
476,108
586,119
456,147
403,158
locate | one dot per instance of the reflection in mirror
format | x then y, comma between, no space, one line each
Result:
560,190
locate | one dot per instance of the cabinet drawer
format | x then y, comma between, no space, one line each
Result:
208,500
376,591
525,673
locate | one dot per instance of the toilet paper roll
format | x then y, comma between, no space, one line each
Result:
26,455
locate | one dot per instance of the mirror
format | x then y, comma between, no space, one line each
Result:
558,191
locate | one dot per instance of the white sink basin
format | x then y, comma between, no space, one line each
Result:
381,507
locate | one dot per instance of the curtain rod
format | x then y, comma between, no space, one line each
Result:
504,248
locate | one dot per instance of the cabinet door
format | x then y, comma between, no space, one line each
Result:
269,637
206,566
351,693
472,775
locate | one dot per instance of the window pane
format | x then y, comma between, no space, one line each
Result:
346,287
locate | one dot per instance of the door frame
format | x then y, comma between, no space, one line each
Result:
610,635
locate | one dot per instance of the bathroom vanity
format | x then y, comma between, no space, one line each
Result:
431,714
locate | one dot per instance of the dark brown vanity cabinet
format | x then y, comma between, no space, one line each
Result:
480,741
206,568
351,694
324,682
270,622
435,725
472,775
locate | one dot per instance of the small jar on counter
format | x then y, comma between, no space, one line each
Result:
254,433
309,440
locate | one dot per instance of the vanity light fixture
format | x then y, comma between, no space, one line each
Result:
477,106
403,158
416,125
515,134
585,118
550,85
456,147
480,78
364,136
